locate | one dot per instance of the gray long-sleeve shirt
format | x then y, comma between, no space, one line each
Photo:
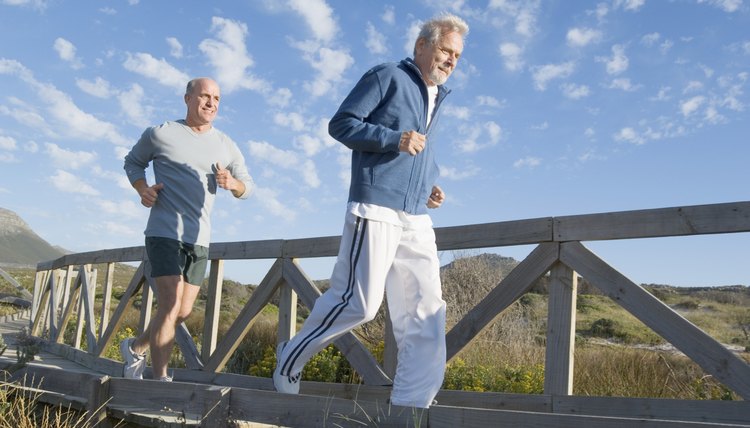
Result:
185,162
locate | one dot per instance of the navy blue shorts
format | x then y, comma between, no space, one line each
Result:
172,257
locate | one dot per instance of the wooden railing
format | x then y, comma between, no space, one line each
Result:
68,284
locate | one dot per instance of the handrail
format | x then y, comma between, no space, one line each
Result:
559,251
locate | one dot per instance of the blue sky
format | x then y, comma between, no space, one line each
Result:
558,108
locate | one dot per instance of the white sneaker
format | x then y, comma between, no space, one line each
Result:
284,384
166,378
135,364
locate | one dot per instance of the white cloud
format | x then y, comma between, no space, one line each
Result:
579,37
629,135
375,40
228,55
175,47
623,84
133,106
67,158
269,199
690,106
308,144
692,86
486,100
666,46
574,91
389,15
7,158
126,208
511,55
618,62
527,162
71,121
459,112
293,121
99,88
523,14
631,5
650,39
35,4
280,98
411,37
67,52
725,5
663,94
156,69
318,16
489,133
69,183
330,65
452,173
544,73
7,143
285,159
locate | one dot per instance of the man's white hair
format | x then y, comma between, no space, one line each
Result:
442,24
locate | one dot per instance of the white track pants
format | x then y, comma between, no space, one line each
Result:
377,257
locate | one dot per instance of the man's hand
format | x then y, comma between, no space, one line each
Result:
411,142
225,180
149,194
436,197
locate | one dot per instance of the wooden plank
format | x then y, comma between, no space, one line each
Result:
213,308
708,353
452,417
390,347
129,254
315,411
41,312
287,312
87,300
561,330
269,249
497,234
326,246
52,310
245,319
24,292
65,290
711,411
355,352
73,301
192,401
40,282
676,221
512,287
135,284
107,297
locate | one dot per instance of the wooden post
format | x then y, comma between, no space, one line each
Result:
561,327
213,308
107,297
390,349
287,313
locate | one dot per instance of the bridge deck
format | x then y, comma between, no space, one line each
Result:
62,375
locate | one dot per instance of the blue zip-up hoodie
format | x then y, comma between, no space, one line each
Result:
388,100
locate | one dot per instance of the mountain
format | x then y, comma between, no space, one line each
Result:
21,246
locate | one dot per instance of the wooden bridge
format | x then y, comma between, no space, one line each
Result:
204,395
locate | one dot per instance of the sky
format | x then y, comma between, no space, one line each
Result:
557,108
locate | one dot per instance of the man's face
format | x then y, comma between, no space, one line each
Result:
437,61
202,103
